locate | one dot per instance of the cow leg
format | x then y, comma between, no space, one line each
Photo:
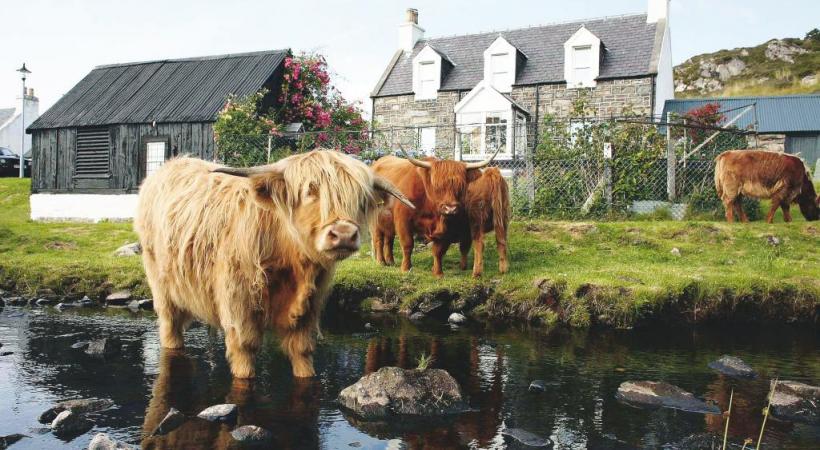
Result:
172,323
299,345
787,215
388,249
464,248
478,254
737,205
376,240
242,341
439,249
772,210
406,242
501,244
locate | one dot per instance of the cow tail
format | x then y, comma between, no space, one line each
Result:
719,176
501,204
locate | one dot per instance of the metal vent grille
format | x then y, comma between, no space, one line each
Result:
93,151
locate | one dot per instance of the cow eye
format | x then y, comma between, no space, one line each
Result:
313,191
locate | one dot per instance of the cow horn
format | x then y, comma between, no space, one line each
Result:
478,165
416,162
242,171
386,186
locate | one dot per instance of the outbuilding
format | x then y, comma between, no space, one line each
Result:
93,148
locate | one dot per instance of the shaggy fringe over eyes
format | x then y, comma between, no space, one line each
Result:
342,184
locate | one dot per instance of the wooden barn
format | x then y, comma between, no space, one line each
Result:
93,148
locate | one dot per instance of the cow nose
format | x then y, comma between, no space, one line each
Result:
449,210
344,235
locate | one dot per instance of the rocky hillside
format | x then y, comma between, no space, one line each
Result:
776,67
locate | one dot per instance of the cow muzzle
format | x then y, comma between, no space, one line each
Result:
341,239
448,210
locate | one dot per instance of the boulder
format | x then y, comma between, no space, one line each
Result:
69,423
80,345
219,413
44,302
63,306
16,301
660,394
457,318
102,441
7,441
119,298
79,406
537,386
131,249
169,423
778,49
252,434
86,302
417,316
675,251
525,438
733,367
429,306
103,348
392,391
796,401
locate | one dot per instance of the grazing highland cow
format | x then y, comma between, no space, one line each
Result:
248,249
760,174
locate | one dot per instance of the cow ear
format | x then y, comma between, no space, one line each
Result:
269,189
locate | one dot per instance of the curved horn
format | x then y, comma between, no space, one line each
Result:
414,161
478,165
386,186
242,171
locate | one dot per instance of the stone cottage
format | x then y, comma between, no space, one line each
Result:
470,95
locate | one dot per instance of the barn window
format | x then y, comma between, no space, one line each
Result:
155,153
93,152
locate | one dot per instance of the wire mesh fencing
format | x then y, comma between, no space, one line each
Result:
564,169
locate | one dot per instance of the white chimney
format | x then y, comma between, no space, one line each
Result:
657,10
410,32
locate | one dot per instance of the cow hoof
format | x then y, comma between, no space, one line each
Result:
477,275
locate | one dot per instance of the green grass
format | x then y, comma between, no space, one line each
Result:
615,273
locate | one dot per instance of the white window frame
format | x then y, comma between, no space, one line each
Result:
427,81
500,65
427,140
430,59
583,39
152,161
468,122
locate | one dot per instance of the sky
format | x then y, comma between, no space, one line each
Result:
62,40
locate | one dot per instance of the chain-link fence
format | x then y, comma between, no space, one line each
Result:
569,169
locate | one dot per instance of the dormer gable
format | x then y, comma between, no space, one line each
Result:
582,59
502,61
429,68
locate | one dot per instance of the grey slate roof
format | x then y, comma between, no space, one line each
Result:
174,90
5,114
775,114
628,41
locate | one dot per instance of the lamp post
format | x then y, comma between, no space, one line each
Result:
23,71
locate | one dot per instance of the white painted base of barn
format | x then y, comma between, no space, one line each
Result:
83,207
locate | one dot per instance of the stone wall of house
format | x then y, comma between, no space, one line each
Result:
402,114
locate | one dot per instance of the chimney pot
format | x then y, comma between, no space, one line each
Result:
413,15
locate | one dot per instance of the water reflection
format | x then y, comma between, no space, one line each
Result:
582,370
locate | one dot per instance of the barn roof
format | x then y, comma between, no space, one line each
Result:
171,90
628,41
774,114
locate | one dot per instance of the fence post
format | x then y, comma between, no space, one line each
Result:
608,175
671,163
270,138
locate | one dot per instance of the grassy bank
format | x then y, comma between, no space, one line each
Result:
614,273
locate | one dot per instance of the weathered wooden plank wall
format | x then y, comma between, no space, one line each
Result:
54,153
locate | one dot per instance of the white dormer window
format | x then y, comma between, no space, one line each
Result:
499,64
582,57
427,74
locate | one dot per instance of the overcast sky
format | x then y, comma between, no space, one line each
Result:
62,40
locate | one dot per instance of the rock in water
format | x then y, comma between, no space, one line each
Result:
103,441
6,441
78,406
69,423
251,434
457,318
392,391
119,298
103,348
171,422
527,439
733,367
81,345
796,401
656,393
219,413
537,386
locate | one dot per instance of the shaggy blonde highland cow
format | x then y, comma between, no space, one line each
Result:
250,249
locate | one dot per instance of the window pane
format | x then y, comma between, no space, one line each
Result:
470,139
427,138
583,73
427,71
498,63
583,57
155,156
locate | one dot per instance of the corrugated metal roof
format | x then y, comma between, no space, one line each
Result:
775,114
628,47
174,90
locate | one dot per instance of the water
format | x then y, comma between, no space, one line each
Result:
493,365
